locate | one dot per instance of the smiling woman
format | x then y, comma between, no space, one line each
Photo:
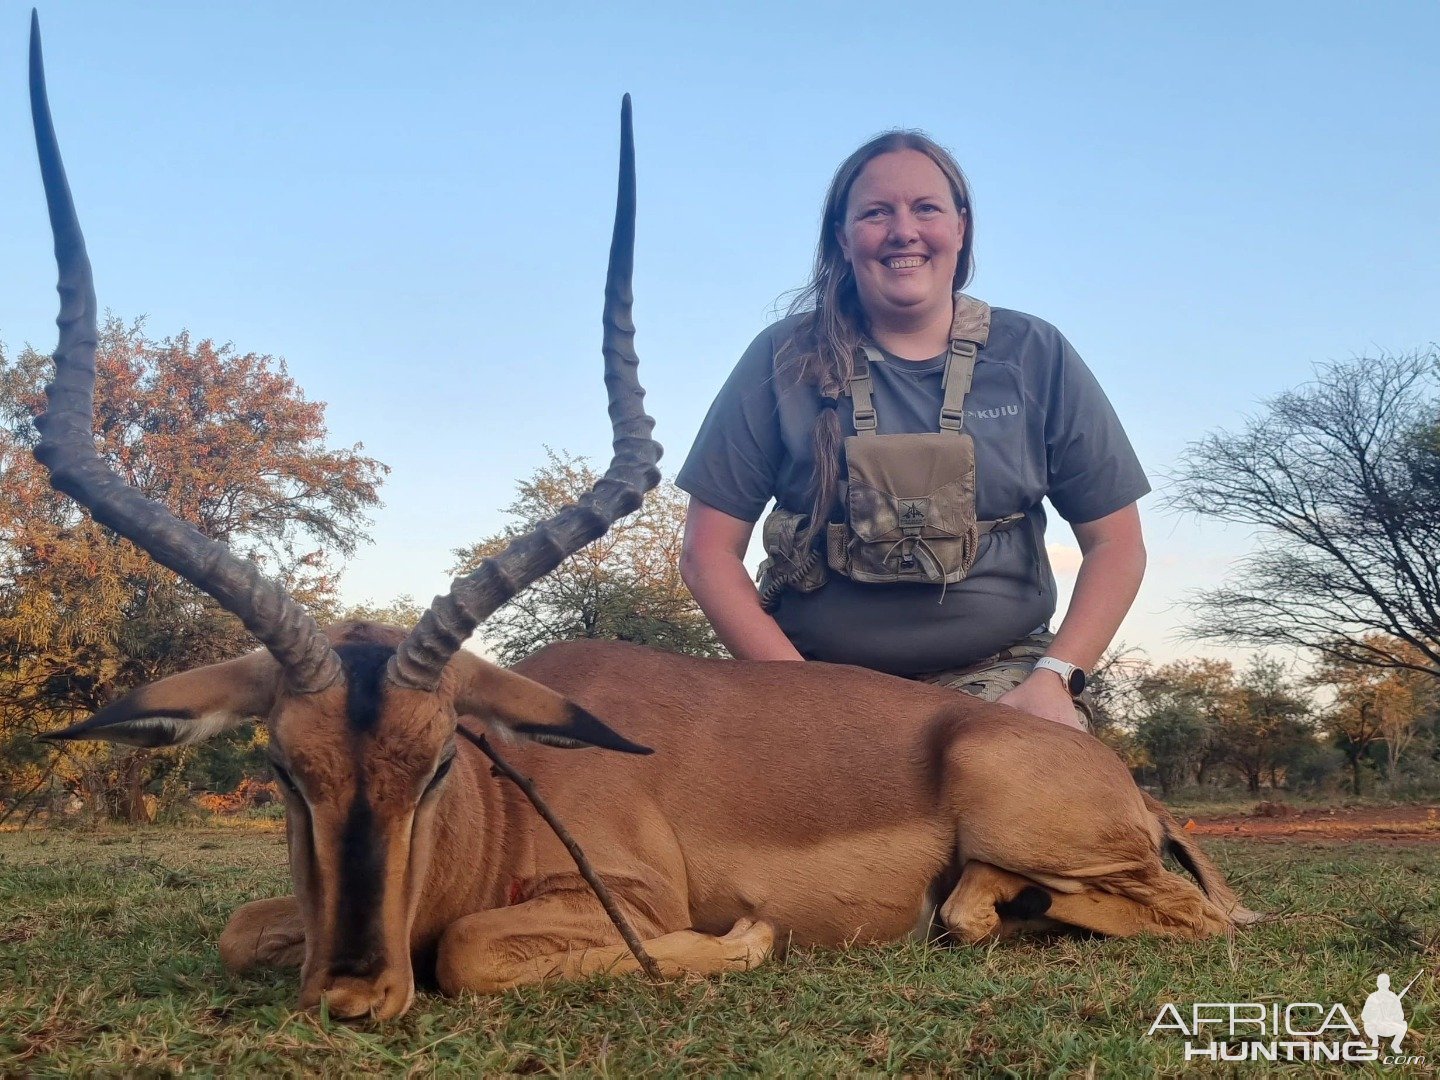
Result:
902,234
908,434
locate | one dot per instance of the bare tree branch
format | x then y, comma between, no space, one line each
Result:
1340,479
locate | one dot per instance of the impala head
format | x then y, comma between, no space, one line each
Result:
362,718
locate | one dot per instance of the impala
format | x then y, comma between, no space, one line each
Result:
783,804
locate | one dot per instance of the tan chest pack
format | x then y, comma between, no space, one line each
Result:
909,500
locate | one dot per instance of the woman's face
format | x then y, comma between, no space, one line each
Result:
902,233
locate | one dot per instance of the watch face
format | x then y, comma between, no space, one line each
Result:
1077,681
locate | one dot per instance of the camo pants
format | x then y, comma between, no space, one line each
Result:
1004,671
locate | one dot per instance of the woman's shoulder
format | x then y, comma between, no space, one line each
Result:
771,350
1032,344
1020,328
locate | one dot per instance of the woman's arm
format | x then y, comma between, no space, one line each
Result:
1112,563
713,568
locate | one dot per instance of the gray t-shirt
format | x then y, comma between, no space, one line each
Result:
1042,428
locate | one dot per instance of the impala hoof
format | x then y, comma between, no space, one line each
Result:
749,944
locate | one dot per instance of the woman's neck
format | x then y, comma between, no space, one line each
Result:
921,338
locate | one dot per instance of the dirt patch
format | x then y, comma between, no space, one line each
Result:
1385,824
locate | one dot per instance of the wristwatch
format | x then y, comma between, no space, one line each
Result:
1073,677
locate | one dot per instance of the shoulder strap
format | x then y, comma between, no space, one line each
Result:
959,374
972,320
860,389
969,331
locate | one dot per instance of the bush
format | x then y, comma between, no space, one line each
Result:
250,794
1317,769
1418,775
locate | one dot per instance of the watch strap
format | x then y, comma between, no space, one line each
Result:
1065,670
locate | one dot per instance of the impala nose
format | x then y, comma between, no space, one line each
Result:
349,998
366,967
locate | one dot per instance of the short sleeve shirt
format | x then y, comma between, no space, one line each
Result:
1042,427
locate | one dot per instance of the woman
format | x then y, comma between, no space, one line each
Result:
913,543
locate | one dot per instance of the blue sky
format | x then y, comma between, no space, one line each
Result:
414,210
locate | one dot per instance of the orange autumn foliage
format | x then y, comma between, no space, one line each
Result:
227,441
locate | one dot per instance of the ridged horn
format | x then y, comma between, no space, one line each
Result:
633,471
67,447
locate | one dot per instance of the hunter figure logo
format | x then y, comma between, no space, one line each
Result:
1383,1015
912,511
1300,1031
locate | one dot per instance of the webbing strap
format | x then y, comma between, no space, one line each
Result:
1000,524
860,390
959,374
969,331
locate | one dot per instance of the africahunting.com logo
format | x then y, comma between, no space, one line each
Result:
1299,1031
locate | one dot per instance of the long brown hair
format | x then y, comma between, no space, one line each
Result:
822,349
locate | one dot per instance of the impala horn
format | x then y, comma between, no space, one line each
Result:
633,470
67,447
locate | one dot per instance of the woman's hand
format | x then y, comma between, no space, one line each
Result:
1045,696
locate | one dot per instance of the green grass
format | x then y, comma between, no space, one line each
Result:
108,964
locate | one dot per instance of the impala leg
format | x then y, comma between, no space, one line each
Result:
265,933
561,936
989,903
746,945
972,911
1160,903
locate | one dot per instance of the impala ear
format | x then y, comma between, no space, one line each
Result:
185,708
523,708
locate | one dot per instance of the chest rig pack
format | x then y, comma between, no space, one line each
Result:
908,500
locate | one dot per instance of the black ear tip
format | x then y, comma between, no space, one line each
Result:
586,728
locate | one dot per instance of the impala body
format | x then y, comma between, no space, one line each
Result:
747,806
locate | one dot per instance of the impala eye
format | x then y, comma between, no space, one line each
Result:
441,772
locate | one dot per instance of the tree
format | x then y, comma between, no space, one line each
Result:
1341,479
403,612
1207,688
1375,705
1266,726
1112,685
625,586
226,441
1195,715
1420,456
1179,707
1171,736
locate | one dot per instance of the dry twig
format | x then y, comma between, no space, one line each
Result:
602,893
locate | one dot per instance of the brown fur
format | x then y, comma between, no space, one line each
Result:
804,804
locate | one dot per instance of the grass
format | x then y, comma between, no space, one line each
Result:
108,965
